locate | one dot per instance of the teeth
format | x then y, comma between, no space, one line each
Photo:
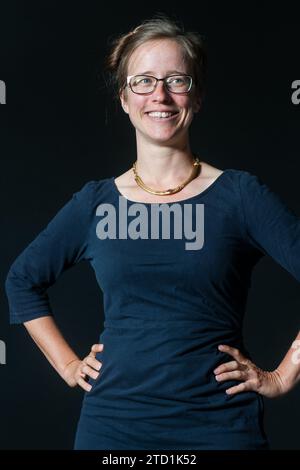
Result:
160,115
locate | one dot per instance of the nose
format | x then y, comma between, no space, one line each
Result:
160,93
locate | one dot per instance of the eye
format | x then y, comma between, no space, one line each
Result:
176,80
142,80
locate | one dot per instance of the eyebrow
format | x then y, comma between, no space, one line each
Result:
169,72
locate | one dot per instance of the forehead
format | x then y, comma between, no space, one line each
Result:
160,55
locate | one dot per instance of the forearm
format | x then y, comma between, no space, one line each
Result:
49,339
289,368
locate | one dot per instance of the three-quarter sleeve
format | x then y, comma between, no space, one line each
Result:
62,244
271,226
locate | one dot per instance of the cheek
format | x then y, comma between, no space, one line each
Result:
188,107
136,103
184,102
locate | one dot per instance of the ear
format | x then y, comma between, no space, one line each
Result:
123,101
197,104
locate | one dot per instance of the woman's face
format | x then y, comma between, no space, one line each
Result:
160,58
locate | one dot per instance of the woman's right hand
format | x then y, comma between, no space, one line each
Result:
76,372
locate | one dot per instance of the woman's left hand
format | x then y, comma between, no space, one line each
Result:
269,384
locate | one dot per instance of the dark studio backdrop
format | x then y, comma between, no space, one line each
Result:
61,128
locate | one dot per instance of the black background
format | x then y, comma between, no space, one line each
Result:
61,128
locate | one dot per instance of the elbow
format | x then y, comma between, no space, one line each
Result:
26,299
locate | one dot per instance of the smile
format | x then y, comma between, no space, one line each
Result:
162,115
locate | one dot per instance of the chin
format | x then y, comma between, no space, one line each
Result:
162,136
162,139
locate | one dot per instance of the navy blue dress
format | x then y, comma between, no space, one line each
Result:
167,308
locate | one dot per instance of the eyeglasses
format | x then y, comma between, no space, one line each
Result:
146,84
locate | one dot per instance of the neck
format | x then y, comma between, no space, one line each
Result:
161,167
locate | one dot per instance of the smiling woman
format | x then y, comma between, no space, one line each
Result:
175,373
161,107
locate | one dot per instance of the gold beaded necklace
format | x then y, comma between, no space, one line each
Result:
193,175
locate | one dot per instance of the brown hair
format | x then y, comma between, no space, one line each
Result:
160,27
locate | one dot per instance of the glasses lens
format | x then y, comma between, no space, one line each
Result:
142,84
179,83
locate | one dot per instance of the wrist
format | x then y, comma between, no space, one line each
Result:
284,383
67,372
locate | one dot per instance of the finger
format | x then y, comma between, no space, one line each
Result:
93,363
89,371
83,384
232,365
233,375
97,347
243,387
232,351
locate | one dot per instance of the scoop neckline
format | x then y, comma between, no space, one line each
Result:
202,193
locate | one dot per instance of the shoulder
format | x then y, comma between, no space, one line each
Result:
244,179
252,183
90,186
235,178
260,197
93,189
236,175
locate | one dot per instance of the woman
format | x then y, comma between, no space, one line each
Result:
174,370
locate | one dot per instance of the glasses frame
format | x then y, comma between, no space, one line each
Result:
129,77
